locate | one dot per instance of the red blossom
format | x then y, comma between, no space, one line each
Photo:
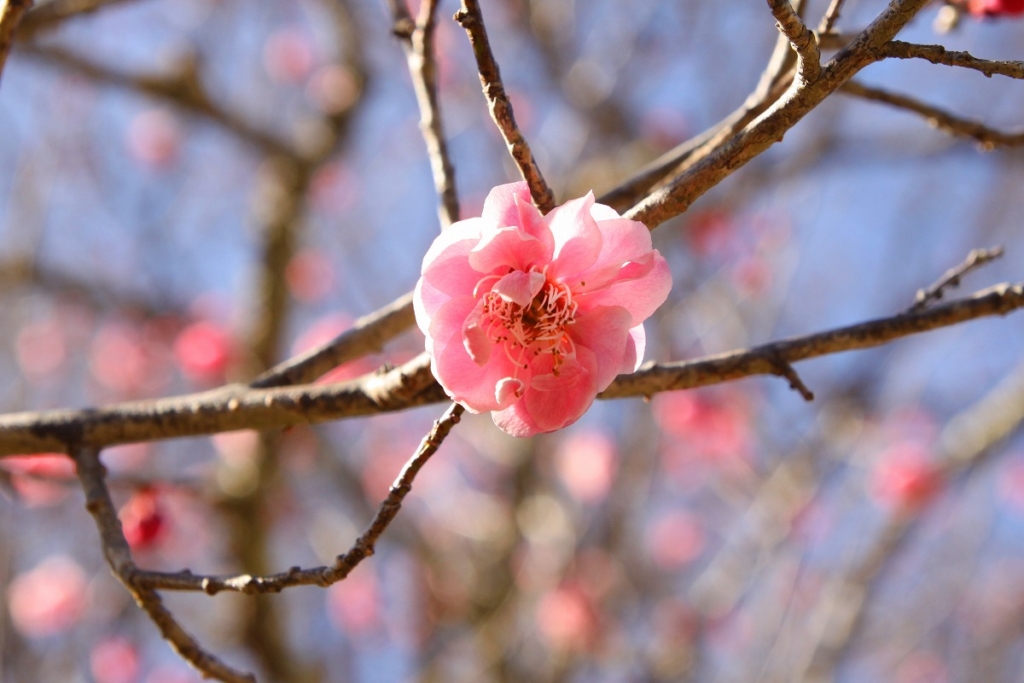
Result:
143,520
995,8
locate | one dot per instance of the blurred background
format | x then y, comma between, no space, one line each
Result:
191,191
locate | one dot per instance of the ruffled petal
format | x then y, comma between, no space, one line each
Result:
605,332
508,247
508,391
474,336
515,421
468,230
624,243
551,410
634,357
641,295
519,287
577,238
473,385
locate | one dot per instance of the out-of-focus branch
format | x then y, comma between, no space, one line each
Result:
418,43
362,548
967,439
987,138
240,407
771,126
951,278
828,21
183,89
800,37
91,474
937,54
368,335
10,18
472,20
51,14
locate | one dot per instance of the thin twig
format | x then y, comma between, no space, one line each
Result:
937,54
418,43
471,19
785,370
362,548
800,37
91,474
775,80
951,278
368,335
239,407
10,17
987,138
828,21
771,126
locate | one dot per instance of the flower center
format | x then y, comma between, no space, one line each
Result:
528,331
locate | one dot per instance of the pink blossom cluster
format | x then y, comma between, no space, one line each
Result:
529,316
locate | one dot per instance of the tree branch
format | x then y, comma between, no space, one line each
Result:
951,278
937,54
987,138
368,335
418,43
362,548
10,17
91,474
800,37
239,407
770,127
471,19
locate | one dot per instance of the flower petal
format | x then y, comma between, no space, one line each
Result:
469,229
605,332
551,410
509,247
508,391
515,421
635,354
474,386
519,287
623,242
577,237
641,295
474,336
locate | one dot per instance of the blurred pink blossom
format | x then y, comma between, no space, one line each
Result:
288,56
203,351
114,660
40,480
353,605
154,138
48,599
567,620
530,316
586,463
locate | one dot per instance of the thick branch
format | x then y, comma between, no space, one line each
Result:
91,474
770,127
239,407
987,138
471,19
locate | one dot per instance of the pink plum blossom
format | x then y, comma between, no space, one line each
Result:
530,316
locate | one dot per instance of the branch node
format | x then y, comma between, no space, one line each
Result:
783,368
